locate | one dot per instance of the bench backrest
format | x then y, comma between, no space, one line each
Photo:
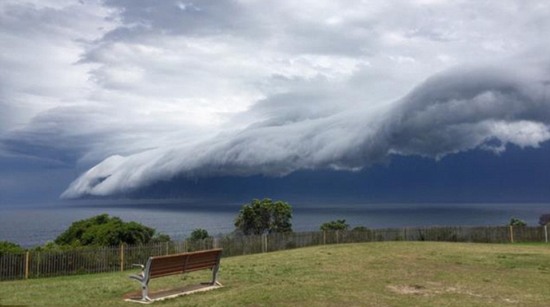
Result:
159,266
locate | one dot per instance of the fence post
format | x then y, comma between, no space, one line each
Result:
324,237
511,234
122,257
38,264
336,236
264,243
27,265
545,234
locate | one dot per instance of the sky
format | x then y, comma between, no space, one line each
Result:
121,98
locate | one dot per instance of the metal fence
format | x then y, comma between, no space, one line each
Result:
45,263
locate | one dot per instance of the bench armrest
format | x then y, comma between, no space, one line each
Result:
136,277
140,276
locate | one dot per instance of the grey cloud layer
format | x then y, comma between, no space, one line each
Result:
458,110
203,88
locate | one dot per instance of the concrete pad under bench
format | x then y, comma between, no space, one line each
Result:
171,293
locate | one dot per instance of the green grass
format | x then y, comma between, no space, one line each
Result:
369,274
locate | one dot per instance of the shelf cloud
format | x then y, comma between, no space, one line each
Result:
122,94
457,110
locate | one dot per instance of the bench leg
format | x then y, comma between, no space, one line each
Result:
145,293
215,275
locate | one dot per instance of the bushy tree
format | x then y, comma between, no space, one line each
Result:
517,222
104,230
10,247
544,219
335,225
199,234
264,216
360,229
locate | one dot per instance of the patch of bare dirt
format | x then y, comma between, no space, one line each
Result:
414,289
434,288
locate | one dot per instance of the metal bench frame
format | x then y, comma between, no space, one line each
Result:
188,264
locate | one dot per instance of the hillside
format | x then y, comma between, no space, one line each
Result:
369,274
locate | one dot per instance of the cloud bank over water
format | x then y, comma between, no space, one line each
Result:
128,93
457,110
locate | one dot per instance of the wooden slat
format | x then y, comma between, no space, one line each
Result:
180,263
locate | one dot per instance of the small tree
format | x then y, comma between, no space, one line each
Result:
198,235
544,219
335,225
517,222
264,216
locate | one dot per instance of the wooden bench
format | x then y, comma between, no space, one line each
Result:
160,266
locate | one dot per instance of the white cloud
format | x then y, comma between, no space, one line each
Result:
41,44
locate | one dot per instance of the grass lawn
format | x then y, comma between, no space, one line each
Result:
368,274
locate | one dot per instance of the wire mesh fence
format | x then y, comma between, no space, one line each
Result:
45,263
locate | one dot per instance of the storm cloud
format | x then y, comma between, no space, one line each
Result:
458,110
129,93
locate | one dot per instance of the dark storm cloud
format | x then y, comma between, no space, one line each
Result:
454,111
157,89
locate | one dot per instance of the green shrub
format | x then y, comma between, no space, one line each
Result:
103,230
10,247
198,235
335,225
517,222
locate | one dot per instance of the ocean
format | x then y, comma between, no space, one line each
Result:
33,225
